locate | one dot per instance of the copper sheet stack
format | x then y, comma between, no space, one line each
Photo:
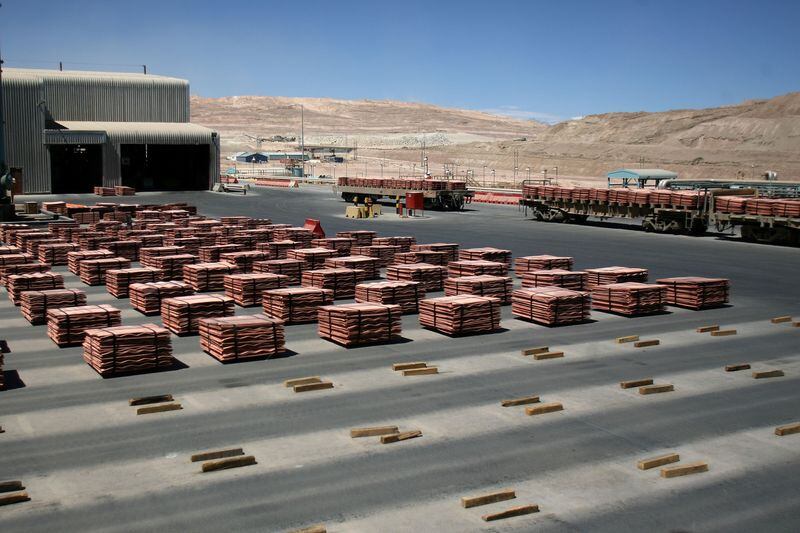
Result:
172,265
60,208
451,249
614,274
149,241
22,268
403,242
66,325
312,258
32,247
735,205
181,315
301,235
406,294
486,254
689,199
259,235
24,237
34,304
454,315
384,253
499,287
56,253
127,249
695,292
291,268
342,281
430,276
211,254
35,281
369,265
359,323
9,250
15,259
246,242
629,299
74,259
93,271
206,277
147,256
122,190
786,207
118,281
296,305
191,245
568,279
93,241
146,297
340,244
359,237
432,258
541,262
277,249
128,349
105,191
553,306
243,260
248,289
237,338
476,267
87,217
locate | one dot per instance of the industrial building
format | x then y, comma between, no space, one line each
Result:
625,177
69,131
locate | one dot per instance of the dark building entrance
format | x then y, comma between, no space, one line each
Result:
165,167
76,168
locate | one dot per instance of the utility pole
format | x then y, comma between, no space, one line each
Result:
494,182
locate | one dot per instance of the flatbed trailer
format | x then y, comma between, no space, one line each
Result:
450,200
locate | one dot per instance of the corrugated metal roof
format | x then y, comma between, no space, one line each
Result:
642,173
88,74
143,132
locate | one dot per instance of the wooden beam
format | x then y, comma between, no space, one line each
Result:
514,511
232,462
408,366
768,374
314,386
737,367
635,383
534,351
373,432
11,486
14,498
661,460
548,355
319,528
145,400
723,333
781,319
485,499
397,437
520,401
685,469
655,389
629,338
219,454
159,408
645,344
301,381
788,429
421,371
707,329
550,407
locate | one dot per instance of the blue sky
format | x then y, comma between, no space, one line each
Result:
540,59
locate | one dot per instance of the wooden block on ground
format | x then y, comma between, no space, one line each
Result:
11,486
661,460
520,401
145,400
14,498
159,408
787,429
655,389
485,499
768,374
781,319
313,386
645,344
707,329
534,351
685,469
548,355
232,462
635,383
514,511
421,371
373,432
302,381
397,437
796,324
723,332
219,454
408,366
737,367
319,528
550,407
629,338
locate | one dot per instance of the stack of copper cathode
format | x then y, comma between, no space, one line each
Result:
93,271
342,281
568,279
384,253
172,265
128,349
146,297
430,276
553,306
206,277
614,274
359,323
147,255
299,235
34,304
541,262
118,281
406,294
421,256
248,289
499,287
454,315
339,244
486,254
312,258
181,315
236,338
695,292
277,249
369,265
66,325
56,253
296,305
211,254
476,267
36,281
404,242
450,249
359,237
630,298
74,259
22,268
291,268
243,260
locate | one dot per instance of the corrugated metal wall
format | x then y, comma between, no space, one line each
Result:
24,122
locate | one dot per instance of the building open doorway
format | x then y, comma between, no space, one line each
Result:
75,168
165,167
